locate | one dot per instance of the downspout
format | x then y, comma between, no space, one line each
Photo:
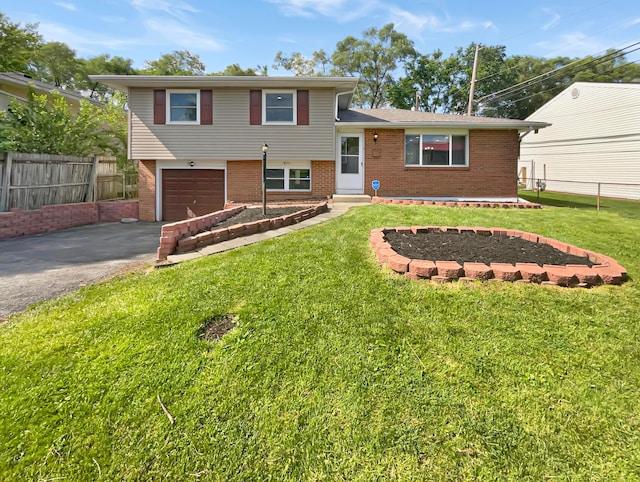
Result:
338,95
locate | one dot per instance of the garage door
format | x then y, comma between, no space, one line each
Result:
191,192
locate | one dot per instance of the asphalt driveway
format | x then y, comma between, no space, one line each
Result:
35,268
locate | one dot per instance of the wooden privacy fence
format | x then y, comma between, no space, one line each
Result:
29,181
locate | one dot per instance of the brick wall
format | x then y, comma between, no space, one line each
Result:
244,183
492,170
147,190
62,216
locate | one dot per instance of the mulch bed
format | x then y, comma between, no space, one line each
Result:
472,248
250,215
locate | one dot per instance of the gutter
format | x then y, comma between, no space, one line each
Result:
338,95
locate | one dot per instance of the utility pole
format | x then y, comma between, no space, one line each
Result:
473,81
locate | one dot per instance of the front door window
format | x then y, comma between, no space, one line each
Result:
350,155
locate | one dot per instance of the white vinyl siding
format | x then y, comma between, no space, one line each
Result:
594,137
231,137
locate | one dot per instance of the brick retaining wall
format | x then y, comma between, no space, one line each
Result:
62,216
194,233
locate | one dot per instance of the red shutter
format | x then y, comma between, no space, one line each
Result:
159,106
303,107
206,107
255,107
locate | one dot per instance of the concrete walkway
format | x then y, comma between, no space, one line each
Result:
337,210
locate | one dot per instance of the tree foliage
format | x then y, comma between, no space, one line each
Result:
374,58
302,66
56,63
178,62
46,124
17,45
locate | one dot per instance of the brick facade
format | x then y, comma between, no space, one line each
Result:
492,170
244,183
147,190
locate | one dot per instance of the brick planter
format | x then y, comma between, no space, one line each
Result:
195,233
455,204
606,270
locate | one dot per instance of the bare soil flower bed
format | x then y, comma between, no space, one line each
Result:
445,253
474,248
250,215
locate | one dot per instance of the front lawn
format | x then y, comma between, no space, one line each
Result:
337,369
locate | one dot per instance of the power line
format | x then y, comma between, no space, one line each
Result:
554,73
559,87
509,91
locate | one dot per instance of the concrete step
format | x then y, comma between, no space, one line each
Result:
351,198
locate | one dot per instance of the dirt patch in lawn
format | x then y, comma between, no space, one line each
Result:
474,248
250,215
217,327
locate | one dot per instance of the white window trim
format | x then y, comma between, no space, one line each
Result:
287,166
183,91
295,107
450,133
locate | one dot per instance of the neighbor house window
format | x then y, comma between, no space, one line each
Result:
435,150
279,107
183,106
289,179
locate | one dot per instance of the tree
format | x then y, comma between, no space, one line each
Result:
56,63
178,62
374,58
236,70
102,64
302,66
46,125
17,45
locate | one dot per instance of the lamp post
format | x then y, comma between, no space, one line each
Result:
265,148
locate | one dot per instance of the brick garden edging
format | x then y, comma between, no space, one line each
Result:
456,204
194,233
55,217
605,271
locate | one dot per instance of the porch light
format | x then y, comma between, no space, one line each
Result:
265,148
375,137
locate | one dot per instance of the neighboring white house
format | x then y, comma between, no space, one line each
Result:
594,138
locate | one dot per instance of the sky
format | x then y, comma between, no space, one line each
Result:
251,32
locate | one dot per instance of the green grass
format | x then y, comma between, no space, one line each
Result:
337,370
626,208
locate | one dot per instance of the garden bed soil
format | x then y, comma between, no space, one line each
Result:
250,215
474,248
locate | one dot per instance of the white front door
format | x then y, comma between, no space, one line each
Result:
350,164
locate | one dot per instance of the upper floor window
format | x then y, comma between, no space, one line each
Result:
183,106
435,150
279,107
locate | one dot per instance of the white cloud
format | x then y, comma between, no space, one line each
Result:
572,44
179,10
176,34
84,42
340,10
414,25
555,19
67,6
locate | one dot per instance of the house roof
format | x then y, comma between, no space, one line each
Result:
22,80
342,85
402,118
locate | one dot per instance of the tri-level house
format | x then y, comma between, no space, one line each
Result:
199,144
